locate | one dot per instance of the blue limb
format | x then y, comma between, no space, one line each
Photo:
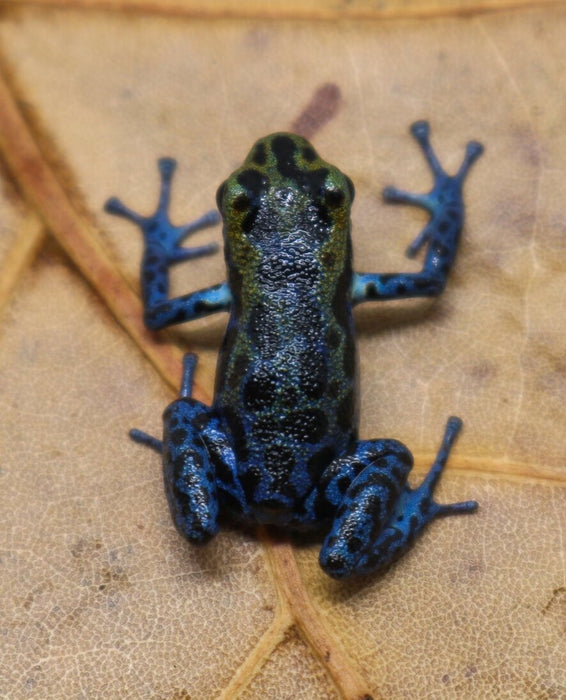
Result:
189,364
414,510
158,228
147,440
445,205
162,248
189,475
199,464
362,489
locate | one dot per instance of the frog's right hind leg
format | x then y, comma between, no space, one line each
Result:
380,516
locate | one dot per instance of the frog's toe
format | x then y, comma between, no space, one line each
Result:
474,149
421,130
145,439
167,167
116,207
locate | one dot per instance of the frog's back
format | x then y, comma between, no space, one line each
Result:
286,380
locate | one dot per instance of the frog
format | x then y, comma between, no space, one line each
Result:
279,445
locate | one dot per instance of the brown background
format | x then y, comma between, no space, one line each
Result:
99,597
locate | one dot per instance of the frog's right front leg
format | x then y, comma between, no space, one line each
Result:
441,235
199,464
162,249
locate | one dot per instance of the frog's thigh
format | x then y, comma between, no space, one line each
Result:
365,485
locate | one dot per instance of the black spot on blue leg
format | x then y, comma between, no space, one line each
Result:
178,436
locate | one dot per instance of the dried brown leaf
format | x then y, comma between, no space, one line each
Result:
100,597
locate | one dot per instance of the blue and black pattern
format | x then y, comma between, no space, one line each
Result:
280,443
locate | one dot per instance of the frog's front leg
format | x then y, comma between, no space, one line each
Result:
198,463
162,249
442,233
378,515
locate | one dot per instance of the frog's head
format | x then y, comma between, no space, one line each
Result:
283,191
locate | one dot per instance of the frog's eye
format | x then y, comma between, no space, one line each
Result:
241,203
334,197
220,192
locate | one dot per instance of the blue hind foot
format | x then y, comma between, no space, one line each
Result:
145,439
415,508
190,485
142,438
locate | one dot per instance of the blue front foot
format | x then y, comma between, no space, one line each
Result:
441,235
162,249
158,230
444,201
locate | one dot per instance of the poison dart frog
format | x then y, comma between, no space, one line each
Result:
280,443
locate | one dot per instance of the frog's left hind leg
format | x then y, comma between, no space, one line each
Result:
343,555
189,476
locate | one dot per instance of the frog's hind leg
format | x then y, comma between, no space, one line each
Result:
189,476
362,540
199,464
415,509
361,489
148,440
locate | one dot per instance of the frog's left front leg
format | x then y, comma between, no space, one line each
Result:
378,515
162,249
442,233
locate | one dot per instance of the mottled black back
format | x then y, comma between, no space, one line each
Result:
286,379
